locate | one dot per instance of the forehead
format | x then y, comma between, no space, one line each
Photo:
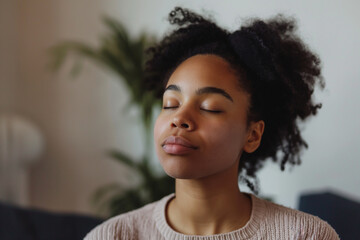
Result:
205,70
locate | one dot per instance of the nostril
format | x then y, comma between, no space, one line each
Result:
180,125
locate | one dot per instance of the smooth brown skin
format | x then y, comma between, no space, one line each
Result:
208,200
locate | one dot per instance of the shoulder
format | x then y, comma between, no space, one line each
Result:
293,223
124,225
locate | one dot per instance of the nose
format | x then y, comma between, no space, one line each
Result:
183,122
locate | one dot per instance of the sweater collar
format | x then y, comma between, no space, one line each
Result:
245,232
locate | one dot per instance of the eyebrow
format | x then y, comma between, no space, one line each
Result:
203,90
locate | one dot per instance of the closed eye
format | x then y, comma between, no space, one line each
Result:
211,111
206,110
169,107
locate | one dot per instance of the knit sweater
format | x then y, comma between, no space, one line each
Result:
267,221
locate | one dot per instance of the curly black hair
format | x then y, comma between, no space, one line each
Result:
274,66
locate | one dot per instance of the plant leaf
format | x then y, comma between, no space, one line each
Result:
121,157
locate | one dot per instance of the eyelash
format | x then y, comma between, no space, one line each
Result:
210,111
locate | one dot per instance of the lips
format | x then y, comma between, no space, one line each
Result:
177,145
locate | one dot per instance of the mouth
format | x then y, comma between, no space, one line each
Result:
177,145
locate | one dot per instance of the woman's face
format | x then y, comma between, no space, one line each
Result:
201,129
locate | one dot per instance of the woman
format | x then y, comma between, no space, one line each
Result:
230,102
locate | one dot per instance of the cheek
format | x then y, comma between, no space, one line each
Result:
226,140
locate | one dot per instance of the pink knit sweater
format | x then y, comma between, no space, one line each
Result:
267,221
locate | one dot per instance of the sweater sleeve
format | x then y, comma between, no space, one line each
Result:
106,231
327,232
115,228
293,224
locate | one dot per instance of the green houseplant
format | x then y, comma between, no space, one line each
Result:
126,58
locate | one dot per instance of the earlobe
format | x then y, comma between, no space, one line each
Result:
256,131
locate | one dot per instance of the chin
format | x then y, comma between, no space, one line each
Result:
183,171
179,171
179,175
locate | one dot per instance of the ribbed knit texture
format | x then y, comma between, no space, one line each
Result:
267,221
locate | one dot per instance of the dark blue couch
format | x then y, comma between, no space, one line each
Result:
340,212
29,224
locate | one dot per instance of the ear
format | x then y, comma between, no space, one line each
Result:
255,132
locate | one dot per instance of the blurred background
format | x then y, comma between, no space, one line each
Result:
56,129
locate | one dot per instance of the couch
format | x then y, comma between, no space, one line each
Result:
18,223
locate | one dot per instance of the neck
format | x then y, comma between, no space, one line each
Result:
208,206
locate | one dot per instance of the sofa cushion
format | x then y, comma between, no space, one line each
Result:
31,224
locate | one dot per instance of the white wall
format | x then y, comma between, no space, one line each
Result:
82,118
9,63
